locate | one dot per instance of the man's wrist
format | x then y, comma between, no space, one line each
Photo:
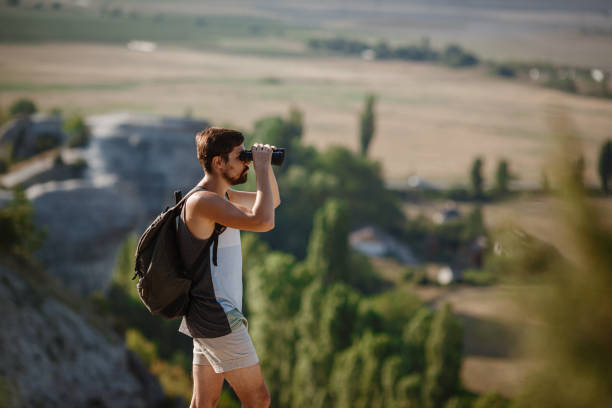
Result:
262,171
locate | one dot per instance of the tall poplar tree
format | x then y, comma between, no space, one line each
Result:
367,124
502,177
476,178
443,358
604,166
328,251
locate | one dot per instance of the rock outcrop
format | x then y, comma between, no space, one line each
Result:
52,356
27,135
134,163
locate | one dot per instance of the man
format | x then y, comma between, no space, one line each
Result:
222,345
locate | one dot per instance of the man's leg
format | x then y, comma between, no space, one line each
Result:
206,387
249,385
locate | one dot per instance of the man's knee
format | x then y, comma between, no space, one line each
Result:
264,396
260,398
203,401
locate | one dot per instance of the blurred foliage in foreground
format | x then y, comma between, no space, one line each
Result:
572,303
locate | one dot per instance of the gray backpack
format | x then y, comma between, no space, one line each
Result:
164,282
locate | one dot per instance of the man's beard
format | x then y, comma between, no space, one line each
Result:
241,179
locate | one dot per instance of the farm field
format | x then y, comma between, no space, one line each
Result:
494,359
431,121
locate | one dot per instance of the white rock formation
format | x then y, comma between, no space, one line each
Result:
51,356
135,162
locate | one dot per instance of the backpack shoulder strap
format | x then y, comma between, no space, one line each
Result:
214,238
178,195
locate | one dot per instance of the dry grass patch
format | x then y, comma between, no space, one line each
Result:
431,121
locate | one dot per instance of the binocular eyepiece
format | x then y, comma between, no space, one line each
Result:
278,156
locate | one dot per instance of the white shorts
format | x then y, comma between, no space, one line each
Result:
225,353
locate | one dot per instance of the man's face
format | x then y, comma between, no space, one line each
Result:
235,170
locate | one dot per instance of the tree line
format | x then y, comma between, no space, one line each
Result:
579,80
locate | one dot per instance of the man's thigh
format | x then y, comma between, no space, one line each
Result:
249,385
207,386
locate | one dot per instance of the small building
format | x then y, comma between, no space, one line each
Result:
371,241
447,213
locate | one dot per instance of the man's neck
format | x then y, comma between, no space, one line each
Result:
215,183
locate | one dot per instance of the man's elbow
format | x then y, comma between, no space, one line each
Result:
268,226
264,224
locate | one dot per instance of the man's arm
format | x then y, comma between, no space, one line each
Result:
212,208
260,218
246,199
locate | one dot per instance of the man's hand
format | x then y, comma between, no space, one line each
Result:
262,157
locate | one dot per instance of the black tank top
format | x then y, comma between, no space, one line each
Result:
205,316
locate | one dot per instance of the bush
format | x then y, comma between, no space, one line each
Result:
455,56
479,277
503,70
78,131
23,107
20,236
562,84
4,165
46,141
78,167
58,161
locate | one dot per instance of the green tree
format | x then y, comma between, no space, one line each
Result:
328,250
415,337
491,400
274,292
476,178
604,166
78,132
22,107
357,377
20,236
502,177
124,264
296,123
443,358
474,225
367,124
278,131
325,327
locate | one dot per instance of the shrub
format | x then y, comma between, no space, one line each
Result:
4,165
22,107
20,236
46,141
78,167
456,57
58,161
503,70
78,131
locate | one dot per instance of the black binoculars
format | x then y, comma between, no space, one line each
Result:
278,156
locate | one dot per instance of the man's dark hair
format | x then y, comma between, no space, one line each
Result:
213,142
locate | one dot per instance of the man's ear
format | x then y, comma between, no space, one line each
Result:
217,162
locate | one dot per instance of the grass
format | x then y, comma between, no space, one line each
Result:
21,25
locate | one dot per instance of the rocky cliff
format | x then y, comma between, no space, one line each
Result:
53,353
134,163
53,356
